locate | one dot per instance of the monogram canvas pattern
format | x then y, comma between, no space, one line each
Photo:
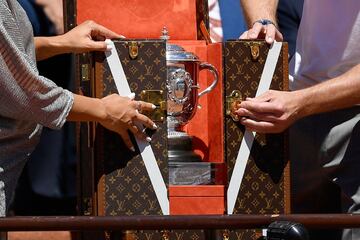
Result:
124,187
264,187
163,235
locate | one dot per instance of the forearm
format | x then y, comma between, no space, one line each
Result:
87,109
47,47
337,93
259,9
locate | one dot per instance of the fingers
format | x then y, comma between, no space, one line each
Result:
145,106
242,112
96,46
259,126
255,31
99,30
131,96
259,31
146,121
244,35
138,134
125,137
272,33
261,107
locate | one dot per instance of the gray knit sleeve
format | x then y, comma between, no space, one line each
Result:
24,95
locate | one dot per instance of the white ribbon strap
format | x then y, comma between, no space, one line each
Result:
147,154
248,139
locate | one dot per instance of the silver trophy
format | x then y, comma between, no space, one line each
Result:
185,166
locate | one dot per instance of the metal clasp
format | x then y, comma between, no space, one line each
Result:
155,97
254,49
85,72
165,235
226,235
133,50
232,102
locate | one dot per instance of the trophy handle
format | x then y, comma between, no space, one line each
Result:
215,72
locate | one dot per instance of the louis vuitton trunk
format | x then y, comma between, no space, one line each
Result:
258,168
114,181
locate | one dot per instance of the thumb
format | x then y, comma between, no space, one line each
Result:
97,46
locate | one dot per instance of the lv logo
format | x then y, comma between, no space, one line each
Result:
120,205
149,236
179,236
239,235
239,68
268,203
152,205
149,70
241,203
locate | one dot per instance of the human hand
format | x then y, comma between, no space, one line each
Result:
271,112
86,37
123,113
269,32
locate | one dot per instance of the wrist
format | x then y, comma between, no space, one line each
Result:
265,21
87,109
304,104
60,44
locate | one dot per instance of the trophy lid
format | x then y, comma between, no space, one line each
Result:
175,52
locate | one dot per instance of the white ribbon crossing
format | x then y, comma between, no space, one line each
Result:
147,154
248,139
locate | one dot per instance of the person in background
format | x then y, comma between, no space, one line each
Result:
47,185
322,108
30,101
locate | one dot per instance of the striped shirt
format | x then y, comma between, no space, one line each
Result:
27,100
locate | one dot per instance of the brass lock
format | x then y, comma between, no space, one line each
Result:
133,50
165,235
232,103
254,49
155,97
128,235
226,235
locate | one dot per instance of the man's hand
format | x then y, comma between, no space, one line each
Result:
272,112
260,16
269,32
123,113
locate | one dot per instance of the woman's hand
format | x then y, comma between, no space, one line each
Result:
123,113
86,37
116,113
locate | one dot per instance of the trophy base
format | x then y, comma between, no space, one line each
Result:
180,149
190,173
185,166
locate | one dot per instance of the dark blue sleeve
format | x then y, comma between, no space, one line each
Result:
289,15
40,23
